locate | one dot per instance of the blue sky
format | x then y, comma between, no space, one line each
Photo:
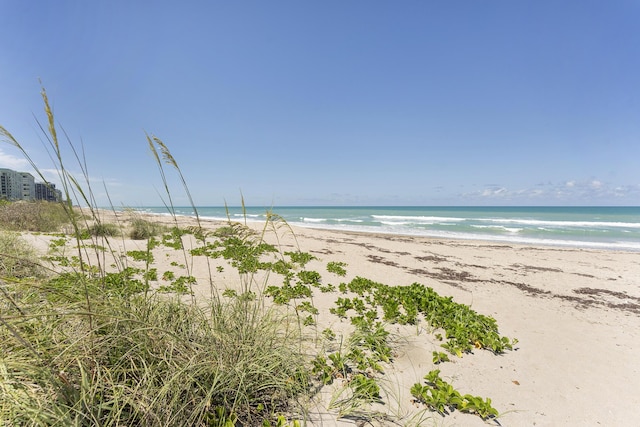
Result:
334,102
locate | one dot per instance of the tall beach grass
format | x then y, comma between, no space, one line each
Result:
94,345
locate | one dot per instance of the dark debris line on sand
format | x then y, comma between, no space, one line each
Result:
458,278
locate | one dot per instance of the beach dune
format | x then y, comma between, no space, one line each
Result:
574,312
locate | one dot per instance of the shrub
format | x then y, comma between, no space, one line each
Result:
103,229
142,229
33,216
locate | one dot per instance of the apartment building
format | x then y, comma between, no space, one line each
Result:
22,186
28,187
10,185
48,192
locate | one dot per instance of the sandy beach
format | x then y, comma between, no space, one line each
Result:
574,312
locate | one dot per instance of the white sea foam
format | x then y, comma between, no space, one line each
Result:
424,219
513,230
241,215
513,237
562,224
395,223
318,220
214,218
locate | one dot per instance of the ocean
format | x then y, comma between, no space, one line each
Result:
614,228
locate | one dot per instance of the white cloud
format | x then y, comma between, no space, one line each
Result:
492,192
51,175
9,161
591,191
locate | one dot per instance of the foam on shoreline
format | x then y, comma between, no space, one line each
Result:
489,230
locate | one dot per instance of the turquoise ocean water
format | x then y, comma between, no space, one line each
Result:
585,227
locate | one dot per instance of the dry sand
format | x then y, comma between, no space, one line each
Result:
575,312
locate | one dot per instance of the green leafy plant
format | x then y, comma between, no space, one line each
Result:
439,357
179,285
328,334
365,388
322,370
441,397
337,268
173,238
300,258
464,328
145,256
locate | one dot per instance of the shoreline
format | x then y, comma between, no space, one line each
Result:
569,245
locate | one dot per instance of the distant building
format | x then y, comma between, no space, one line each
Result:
48,192
28,186
22,186
10,185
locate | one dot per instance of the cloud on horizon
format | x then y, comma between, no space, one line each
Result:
574,191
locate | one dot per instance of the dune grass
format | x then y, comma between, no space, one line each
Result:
17,258
96,347
102,229
142,229
37,216
142,360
